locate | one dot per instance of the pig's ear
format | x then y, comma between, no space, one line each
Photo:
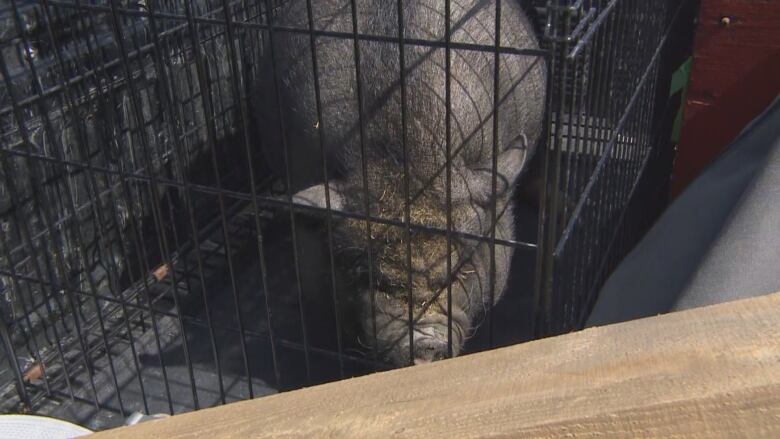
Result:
315,196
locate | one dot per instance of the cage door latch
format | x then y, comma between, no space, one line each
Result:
560,18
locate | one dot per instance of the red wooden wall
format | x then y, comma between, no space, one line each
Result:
735,76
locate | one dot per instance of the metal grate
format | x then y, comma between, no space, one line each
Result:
153,257
608,140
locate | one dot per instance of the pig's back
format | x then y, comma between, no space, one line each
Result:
521,85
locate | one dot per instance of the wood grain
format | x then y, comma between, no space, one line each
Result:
707,372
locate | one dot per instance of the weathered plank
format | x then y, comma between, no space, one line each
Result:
706,372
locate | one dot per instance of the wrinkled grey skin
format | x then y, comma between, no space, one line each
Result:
521,91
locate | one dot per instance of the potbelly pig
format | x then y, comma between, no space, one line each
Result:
383,134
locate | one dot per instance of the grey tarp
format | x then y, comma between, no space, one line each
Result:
718,241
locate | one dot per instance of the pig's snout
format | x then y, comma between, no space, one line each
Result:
429,336
430,344
428,350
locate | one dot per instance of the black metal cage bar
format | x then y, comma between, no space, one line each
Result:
154,258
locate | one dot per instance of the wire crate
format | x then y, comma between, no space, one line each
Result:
152,258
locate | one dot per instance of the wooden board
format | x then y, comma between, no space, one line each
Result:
734,77
707,372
